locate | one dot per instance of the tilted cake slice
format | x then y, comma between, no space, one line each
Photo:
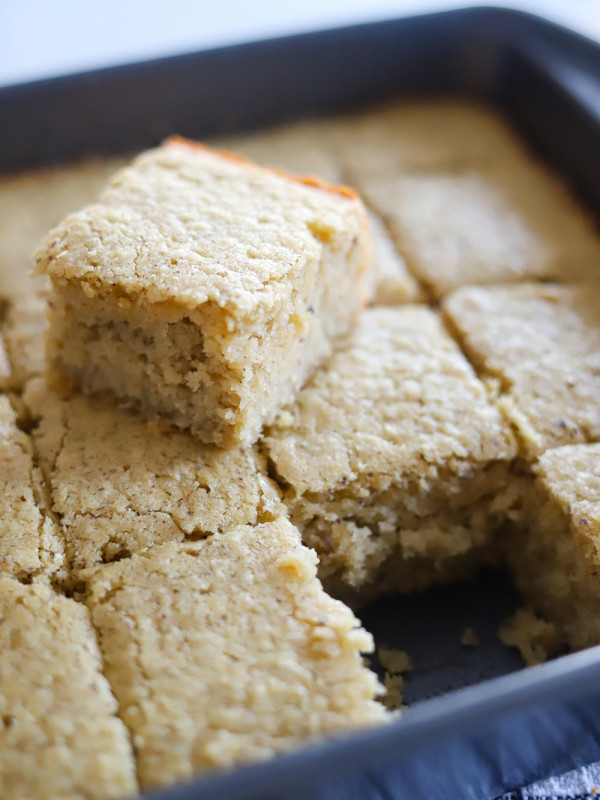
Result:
204,288
228,650
393,460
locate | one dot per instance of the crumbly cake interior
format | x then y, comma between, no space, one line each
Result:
380,469
559,570
455,425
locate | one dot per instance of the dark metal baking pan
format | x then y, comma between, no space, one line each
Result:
503,731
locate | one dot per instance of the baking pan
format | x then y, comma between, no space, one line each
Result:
511,726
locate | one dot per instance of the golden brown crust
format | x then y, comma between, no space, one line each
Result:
306,180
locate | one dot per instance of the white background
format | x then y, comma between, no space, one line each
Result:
43,38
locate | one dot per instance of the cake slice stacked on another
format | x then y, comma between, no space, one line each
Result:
204,287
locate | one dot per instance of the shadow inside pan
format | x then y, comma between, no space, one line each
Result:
429,627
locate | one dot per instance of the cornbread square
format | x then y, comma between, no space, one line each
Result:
30,544
204,287
120,484
393,461
495,224
401,136
60,736
390,281
556,562
228,650
540,346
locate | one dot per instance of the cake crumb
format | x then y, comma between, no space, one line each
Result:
536,639
393,660
468,638
393,697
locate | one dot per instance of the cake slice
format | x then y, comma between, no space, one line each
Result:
60,736
31,547
121,484
556,561
540,346
393,461
228,650
494,224
204,288
400,136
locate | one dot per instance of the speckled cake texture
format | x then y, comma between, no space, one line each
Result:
494,224
30,204
394,460
120,484
33,202
60,736
540,346
204,287
232,646
31,546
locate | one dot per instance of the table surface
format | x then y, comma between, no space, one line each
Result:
39,39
